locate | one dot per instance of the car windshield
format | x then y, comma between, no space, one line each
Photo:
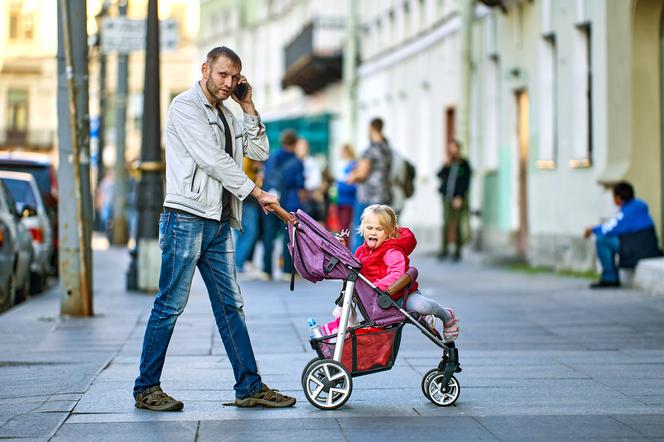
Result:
41,174
21,191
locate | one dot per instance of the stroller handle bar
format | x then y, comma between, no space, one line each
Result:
285,216
399,284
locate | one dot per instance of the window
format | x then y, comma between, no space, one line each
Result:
17,110
492,113
547,103
583,142
21,22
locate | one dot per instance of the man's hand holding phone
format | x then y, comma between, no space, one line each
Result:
242,94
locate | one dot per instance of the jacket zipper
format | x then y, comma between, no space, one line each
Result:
193,179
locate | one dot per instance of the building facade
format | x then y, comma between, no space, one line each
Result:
292,54
28,75
565,99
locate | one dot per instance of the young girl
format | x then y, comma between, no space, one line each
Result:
384,258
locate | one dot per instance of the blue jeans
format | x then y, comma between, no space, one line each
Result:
607,248
187,242
273,228
244,242
357,239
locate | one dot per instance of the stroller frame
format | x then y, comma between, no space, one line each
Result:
327,383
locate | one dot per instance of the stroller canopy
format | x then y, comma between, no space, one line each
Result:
317,254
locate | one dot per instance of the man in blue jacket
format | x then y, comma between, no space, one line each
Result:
284,178
632,217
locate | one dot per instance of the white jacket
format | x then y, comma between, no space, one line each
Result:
198,169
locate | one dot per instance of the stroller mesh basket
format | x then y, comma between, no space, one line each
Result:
367,349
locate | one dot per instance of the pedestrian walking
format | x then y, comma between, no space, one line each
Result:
246,238
205,187
372,176
346,193
312,199
454,185
284,177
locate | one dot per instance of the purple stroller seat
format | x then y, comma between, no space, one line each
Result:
318,255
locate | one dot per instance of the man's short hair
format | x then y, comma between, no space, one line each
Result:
288,137
624,190
377,125
223,51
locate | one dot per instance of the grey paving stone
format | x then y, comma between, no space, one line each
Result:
531,428
143,431
326,429
34,425
418,428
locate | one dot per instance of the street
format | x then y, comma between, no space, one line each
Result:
543,358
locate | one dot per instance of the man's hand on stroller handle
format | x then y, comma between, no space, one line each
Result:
281,213
264,199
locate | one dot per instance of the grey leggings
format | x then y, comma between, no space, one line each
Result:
419,303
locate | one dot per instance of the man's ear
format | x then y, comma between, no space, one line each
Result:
204,69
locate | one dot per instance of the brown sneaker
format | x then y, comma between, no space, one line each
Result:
267,397
155,399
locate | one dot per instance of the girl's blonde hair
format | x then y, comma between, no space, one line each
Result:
386,218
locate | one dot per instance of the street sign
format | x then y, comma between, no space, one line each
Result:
124,35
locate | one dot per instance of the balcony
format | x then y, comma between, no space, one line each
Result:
314,57
42,139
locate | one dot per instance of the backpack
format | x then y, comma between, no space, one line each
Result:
402,175
409,178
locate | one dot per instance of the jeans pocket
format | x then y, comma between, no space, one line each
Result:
164,219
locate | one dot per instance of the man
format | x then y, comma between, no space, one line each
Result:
205,185
454,184
284,177
632,217
372,176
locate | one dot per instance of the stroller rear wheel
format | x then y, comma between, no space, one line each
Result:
304,372
433,389
327,384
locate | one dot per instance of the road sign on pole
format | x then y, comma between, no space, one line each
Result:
124,35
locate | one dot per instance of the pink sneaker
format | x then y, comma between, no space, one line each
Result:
451,327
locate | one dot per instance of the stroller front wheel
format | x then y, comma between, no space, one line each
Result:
327,384
433,389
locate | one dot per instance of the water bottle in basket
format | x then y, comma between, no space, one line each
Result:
316,331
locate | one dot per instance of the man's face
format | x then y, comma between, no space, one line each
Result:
453,150
221,77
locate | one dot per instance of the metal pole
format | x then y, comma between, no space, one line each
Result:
350,72
75,253
467,9
102,93
149,193
119,231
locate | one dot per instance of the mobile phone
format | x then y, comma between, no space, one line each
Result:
240,91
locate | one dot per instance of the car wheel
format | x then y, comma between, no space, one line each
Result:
25,291
8,298
37,282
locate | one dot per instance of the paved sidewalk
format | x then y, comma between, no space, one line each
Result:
544,358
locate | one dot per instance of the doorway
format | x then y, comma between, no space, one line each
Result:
522,135
661,127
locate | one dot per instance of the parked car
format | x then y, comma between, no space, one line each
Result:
15,253
34,217
41,167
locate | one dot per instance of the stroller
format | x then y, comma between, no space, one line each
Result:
373,344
